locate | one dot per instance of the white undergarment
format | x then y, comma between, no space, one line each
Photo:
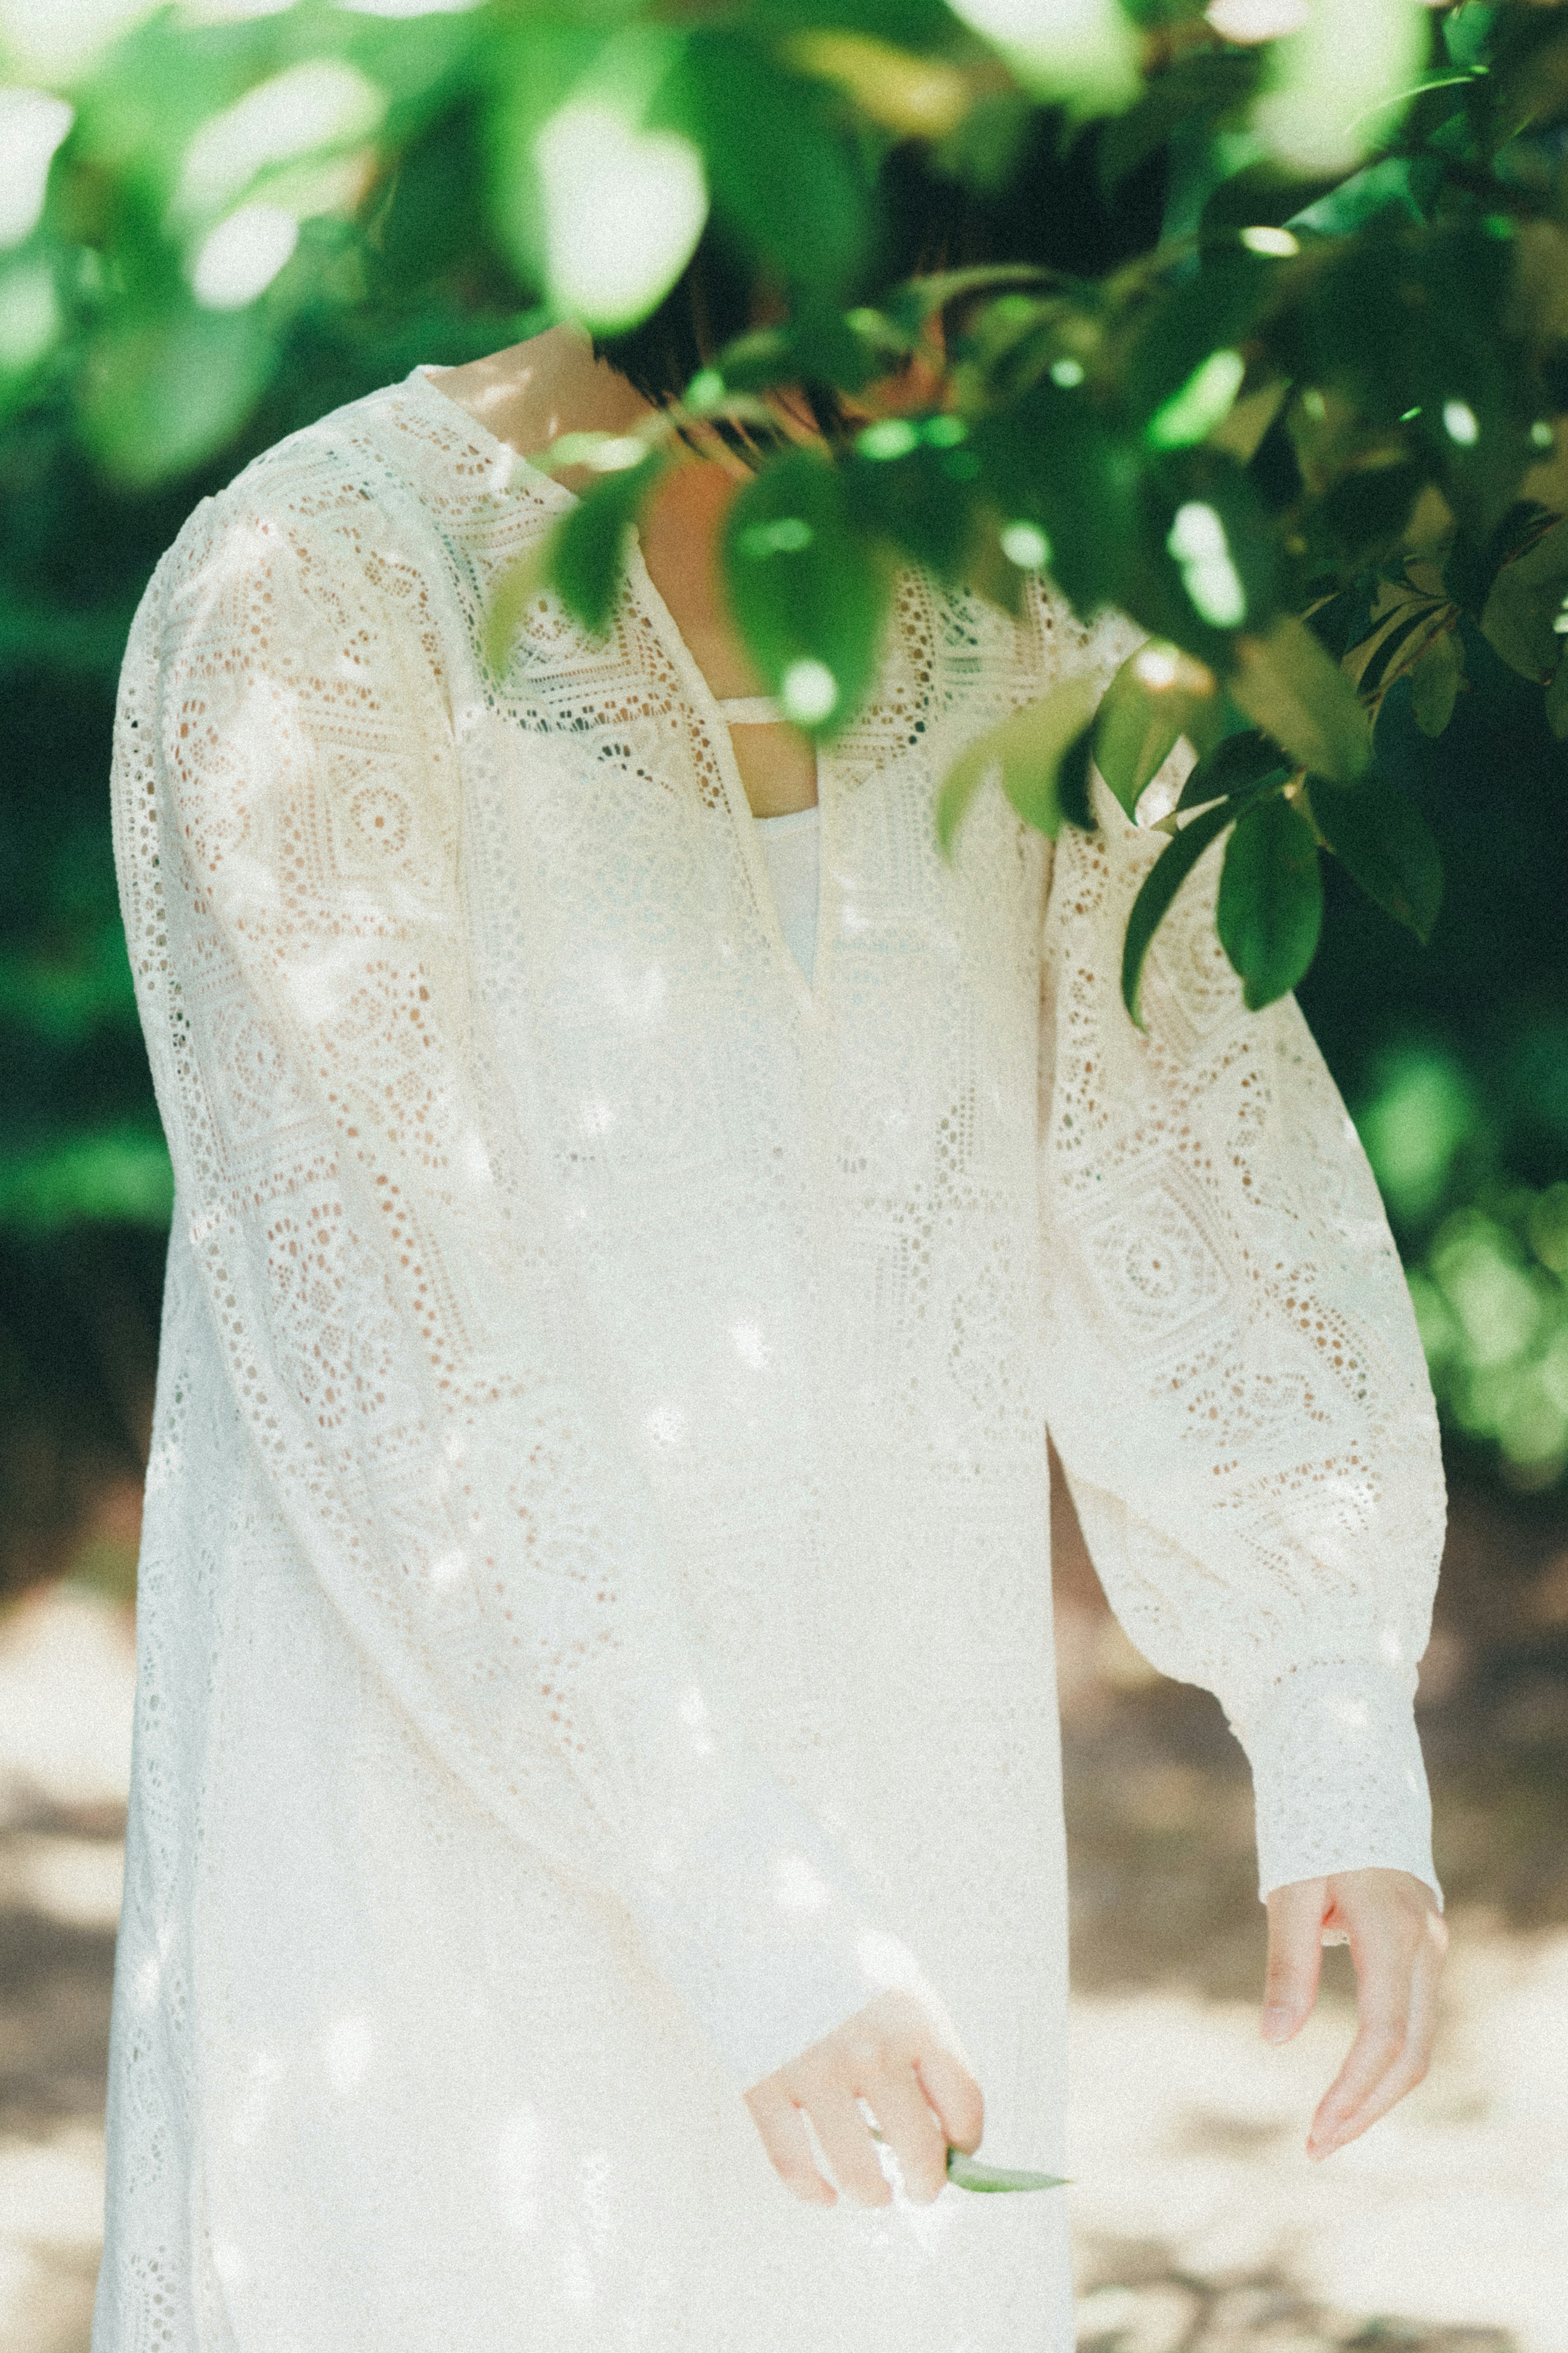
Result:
793,846
792,843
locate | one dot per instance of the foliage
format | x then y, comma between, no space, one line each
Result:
1264,341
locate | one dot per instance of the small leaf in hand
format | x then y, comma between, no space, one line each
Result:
1159,886
1382,839
1271,908
1289,686
969,2173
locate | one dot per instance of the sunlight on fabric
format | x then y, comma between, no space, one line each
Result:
798,1885
262,2077
242,257
693,1713
31,124
447,1568
623,210
346,2048
517,2159
749,1346
665,1424
323,103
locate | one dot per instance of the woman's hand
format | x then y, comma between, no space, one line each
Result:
902,2061
1397,1939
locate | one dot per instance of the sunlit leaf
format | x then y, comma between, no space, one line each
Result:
1148,706
1289,686
1028,747
1270,906
1380,837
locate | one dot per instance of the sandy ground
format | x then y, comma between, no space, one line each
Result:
1201,2223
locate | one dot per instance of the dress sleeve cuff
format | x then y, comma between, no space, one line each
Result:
1338,1777
765,1932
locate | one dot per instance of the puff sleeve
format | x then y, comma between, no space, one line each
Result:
1235,1385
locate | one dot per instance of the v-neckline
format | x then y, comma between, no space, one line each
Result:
704,706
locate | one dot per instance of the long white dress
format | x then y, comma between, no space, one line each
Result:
594,1619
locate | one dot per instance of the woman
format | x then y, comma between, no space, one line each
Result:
596,1738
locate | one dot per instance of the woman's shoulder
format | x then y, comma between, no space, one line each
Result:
387,475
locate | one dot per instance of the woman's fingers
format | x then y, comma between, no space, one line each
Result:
784,2135
904,2116
848,2145
954,2093
1295,1956
1397,1997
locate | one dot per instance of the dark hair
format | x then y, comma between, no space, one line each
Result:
926,223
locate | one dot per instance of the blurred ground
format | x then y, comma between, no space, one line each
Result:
1202,2227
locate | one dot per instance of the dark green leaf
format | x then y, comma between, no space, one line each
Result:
1072,780
1159,886
1235,763
1527,598
810,596
1435,682
1382,839
1557,699
1271,906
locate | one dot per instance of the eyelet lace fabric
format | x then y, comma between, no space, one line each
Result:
594,1618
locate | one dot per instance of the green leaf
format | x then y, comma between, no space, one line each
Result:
1072,781
1527,597
588,546
1159,886
1029,745
781,173
1557,699
969,2173
1270,907
1435,682
1235,763
158,399
810,596
921,500
1382,839
1289,686
1046,460
1149,705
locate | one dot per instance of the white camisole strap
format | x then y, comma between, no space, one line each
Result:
749,709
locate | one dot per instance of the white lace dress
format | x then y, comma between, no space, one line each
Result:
594,1618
